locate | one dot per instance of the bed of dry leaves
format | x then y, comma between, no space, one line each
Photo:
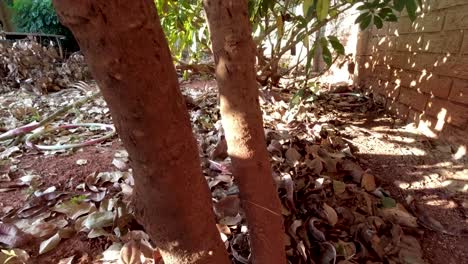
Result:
335,210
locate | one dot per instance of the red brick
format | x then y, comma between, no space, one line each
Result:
436,85
382,72
442,42
380,32
405,25
456,115
414,116
457,18
430,122
464,48
414,62
406,78
398,59
372,83
459,92
389,89
452,66
430,22
363,72
392,29
380,58
413,99
387,43
410,42
399,109
440,4
362,43
371,47
423,61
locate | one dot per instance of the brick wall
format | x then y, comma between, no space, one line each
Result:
420,69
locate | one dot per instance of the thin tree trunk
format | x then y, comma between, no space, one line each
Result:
5,17
234,52
125,47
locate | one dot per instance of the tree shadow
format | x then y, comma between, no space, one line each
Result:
414,166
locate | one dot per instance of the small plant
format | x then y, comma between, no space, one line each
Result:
78,199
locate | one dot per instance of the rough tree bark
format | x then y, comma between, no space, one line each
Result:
125,47
234,53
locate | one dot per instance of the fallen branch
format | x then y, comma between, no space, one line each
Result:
35,135
23,130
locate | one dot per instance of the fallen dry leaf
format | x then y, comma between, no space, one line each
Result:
130,253
14,256
73,209
49,244
399,216
12,236
368,182
68,260
315,165
292,156
330,214
228,206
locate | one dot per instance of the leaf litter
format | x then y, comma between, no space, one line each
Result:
335,211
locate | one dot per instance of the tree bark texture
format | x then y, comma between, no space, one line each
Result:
124,45
234,53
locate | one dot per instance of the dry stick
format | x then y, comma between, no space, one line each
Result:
23,130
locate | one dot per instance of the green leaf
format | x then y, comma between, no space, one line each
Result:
399,4
411,7
391,18
339,187
326,55
306,6
310,56
365,22
322,9
385,12
378,22
297,98
336,44
361,17
388,202
363,7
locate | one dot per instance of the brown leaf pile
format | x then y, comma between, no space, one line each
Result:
28,65
335,211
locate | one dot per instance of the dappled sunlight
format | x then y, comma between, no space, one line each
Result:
418,71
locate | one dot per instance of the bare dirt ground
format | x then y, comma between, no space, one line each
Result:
63,172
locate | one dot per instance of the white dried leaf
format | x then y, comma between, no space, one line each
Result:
49,244
82,162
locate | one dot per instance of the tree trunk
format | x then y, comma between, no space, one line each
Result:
125,47
234,52
5,17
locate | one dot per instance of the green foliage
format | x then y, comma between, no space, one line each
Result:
36,16
187,33
378,11
185,28
78,199
39,16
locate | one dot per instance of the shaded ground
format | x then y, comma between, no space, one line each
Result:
407,164
412,165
